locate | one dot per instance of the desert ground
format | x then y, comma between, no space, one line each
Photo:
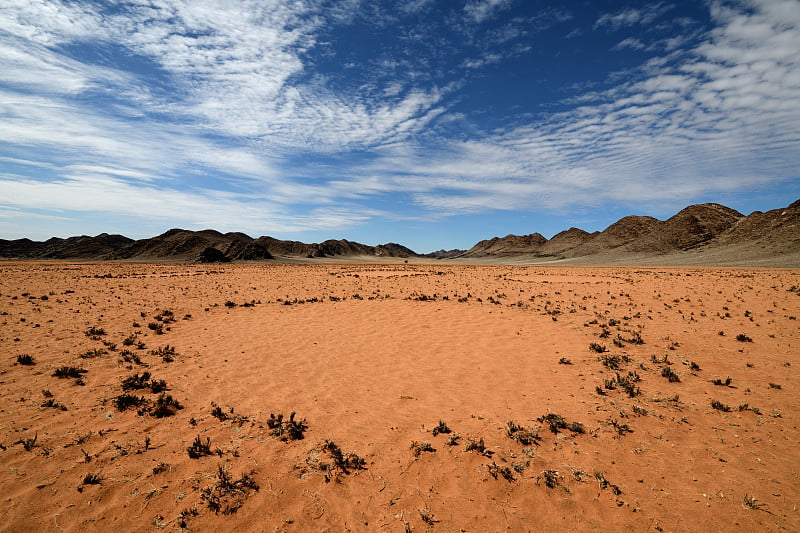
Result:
398,397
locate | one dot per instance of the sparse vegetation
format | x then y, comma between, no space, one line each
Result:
70,372
441,427
670,374
342,463
525,436
719,406
29,443
751,503
95,332
605,484
227,495
199,448
287,430
620,428
741,337
25,360
599,348
165,405
474,445
551,478
419,447
721,383
557,422
496,471
126,401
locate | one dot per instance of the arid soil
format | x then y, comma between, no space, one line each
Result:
570,398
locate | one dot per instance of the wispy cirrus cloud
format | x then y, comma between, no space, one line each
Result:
719,117
481,10
632,16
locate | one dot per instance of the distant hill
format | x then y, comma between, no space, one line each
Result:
445,254
704,233
699,234
193,246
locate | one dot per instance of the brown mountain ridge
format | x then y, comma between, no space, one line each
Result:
707,233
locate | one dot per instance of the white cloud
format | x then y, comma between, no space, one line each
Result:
632,16
630,42
481,10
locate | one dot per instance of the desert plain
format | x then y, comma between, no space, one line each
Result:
398,397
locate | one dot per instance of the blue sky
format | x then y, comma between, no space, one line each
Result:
429,123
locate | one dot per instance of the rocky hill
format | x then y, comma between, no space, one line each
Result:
699,234
197,246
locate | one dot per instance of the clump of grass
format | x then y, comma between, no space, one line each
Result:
614,362
70,372
551,478
92,479
719,406
641,411
621,428
627,383
95,332
160,468
427,516
741,337
670,374
605,484
452,439
199,448
287,430
419,447
441,427
164,406
476,446
523,435
746,407
136,382
719,382
156,327
496,471
751,503
29,443
94,352
564,361
227,495
694,367
126,401
131,358
166,352
341,463
599,348
557,422
50,402
25,360
186,514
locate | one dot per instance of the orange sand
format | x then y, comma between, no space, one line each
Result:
383,354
